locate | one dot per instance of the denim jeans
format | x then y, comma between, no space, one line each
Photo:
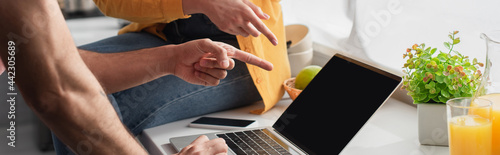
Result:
169,98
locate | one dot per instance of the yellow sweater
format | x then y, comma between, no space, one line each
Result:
151,16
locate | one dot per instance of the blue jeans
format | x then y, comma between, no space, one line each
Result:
169,98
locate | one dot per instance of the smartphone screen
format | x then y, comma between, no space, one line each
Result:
220,123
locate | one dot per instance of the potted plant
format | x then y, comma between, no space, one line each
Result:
432,78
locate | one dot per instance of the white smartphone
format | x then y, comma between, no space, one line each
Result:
220,123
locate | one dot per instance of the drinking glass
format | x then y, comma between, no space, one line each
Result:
469,126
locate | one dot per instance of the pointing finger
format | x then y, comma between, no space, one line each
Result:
259,25
251,59
246,57
250,29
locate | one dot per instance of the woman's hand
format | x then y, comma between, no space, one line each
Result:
202,145
205,62
237,17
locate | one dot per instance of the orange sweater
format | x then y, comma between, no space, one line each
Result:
151,16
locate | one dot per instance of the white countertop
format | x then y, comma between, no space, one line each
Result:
391,130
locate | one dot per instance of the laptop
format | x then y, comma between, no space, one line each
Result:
322,119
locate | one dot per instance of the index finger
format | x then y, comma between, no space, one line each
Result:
246,57
259,25
251,59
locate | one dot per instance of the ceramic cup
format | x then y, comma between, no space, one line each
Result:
300,37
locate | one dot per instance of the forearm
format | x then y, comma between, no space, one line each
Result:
120,71
55,82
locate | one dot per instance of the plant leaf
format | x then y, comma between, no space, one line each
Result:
458,53
442,99
433,51
428,49
432,91
445,94
442,57
447,80
433,95
447,45
440,79
456,40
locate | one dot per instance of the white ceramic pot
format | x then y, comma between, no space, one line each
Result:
432,124
300,37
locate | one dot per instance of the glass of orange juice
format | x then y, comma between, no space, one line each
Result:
469,126
495,119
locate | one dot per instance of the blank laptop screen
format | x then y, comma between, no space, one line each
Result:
335,105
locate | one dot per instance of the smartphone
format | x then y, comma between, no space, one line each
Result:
220,123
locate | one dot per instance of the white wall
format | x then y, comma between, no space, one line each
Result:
383,29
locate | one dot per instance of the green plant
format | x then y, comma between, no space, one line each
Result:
431,77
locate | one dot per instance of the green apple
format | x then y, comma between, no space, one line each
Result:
305,76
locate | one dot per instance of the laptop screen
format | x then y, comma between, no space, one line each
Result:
335,105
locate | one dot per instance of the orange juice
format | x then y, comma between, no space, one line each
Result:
495,117
470,135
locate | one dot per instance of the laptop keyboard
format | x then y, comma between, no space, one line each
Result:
252,142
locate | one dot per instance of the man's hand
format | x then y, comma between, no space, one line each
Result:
237,17
205,62
204,146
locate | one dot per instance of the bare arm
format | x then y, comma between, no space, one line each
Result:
120,71
56,83
198,62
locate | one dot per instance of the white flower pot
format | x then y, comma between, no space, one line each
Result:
432,124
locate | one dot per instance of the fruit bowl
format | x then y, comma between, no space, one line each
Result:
290,88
